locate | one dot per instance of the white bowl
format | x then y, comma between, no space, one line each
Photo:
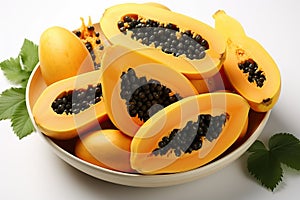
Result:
63,149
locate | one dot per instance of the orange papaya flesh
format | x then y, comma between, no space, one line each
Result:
119,62
159,5
231,108
199,49
57,117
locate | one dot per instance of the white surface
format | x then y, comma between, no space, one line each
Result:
30,170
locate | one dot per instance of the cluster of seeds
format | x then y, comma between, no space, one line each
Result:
254,74
190,138
144,98
92,41
168,37
77,100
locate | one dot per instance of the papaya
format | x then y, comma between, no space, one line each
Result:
106,148
217,82
189,133
250,69
136,86
159,5
91,36
62,55
188,45
71,106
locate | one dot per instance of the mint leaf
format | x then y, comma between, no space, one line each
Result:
13,71
10,99
29,55
21,122
264,166
286,147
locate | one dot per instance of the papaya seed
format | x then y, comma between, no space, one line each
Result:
191,136
167,37
250,67
142,96
77,100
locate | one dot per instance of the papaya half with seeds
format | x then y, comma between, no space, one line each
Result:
135,87
250,69
92,37
188,45
70,107
106,148
189,133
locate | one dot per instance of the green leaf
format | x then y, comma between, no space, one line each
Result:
257,146
21,123
264,166
13,71
286,147
29,55
10,99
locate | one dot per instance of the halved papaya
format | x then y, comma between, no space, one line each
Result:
189,133
135,86
188,45
106,148
71,106
159,5
251,70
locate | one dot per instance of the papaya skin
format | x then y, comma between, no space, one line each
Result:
117,60
62,126
106,148
240,48
187,109
62,55
193,69
227,25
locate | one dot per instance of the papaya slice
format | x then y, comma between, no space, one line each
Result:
106,148
250,69
188,45
159,5
92,37
70,107
135,86
189,133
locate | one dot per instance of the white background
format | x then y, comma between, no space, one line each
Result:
30,170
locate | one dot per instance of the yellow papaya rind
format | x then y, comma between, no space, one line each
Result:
118,59
187,109
62,126
240,47
193,69
227,25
